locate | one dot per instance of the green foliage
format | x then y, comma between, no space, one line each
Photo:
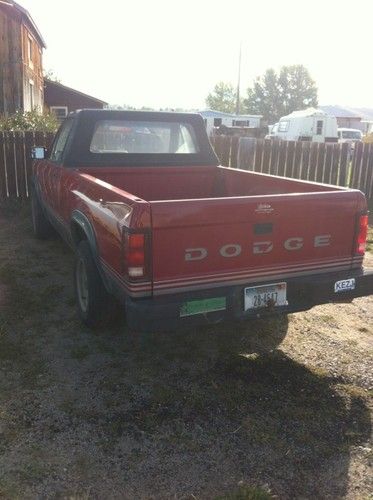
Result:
222,98
29,120
277,94
51,75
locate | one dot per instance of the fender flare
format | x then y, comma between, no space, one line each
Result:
80,219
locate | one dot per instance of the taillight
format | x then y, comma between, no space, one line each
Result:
134,254
362,234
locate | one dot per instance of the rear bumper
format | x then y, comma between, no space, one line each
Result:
163,313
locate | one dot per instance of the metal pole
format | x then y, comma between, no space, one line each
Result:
238,83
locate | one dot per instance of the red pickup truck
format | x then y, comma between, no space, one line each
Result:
156,222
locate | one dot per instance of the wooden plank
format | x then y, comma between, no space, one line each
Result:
356,165
334,170
266,156
246,153
216,140
328,163
306,147
344,165
29,143
364,168
369,192
9,159
282,157
19,165
297,167
3,173
290,159
320,163
234,151
273,166
313,161
258,155
226,150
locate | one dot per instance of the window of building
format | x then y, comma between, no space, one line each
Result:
31,95
60,112
319,126
217,122
283,126
241,123
29,52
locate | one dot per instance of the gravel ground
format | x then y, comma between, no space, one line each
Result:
277,408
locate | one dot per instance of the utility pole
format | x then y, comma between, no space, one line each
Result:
238,83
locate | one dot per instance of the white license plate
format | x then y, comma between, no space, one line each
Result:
344,285
265,296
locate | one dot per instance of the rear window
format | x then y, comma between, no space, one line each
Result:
143,137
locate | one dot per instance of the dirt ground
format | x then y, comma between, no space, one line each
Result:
207,413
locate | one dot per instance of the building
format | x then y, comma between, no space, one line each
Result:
216,118
21,54
61,100
346,117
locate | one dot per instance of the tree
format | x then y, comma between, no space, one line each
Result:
29,121
274,95
222,98
51,75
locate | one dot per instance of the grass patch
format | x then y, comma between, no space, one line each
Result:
80,352
247,493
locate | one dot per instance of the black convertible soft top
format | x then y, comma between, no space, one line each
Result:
78,154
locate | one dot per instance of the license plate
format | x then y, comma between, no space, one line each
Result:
203,306
265,296
344,285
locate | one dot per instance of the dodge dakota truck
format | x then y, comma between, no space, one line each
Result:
158,226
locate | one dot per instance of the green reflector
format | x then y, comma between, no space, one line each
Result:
203,306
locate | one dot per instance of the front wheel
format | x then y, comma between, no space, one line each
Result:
93,301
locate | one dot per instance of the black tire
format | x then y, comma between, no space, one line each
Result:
42,227
95,305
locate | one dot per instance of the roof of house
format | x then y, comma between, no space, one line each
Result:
340,112
58,85
305,112
365,113
27,18
211,113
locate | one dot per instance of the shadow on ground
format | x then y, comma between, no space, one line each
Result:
172,415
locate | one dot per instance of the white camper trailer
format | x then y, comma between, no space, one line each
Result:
307,125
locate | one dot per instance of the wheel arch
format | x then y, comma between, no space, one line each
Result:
82,229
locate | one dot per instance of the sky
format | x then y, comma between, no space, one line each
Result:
164,53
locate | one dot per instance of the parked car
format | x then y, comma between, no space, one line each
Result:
349,135
157,223
306,125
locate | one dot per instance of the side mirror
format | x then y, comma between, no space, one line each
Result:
38,153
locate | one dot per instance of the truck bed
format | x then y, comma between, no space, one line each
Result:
212,226
168,183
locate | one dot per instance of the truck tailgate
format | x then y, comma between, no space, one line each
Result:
208,243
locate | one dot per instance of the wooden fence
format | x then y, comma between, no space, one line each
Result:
16,163
320,162
326,163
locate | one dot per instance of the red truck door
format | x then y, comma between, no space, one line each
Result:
52,167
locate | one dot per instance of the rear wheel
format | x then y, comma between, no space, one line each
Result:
42,227
95,305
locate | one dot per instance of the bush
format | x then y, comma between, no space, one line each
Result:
29,121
